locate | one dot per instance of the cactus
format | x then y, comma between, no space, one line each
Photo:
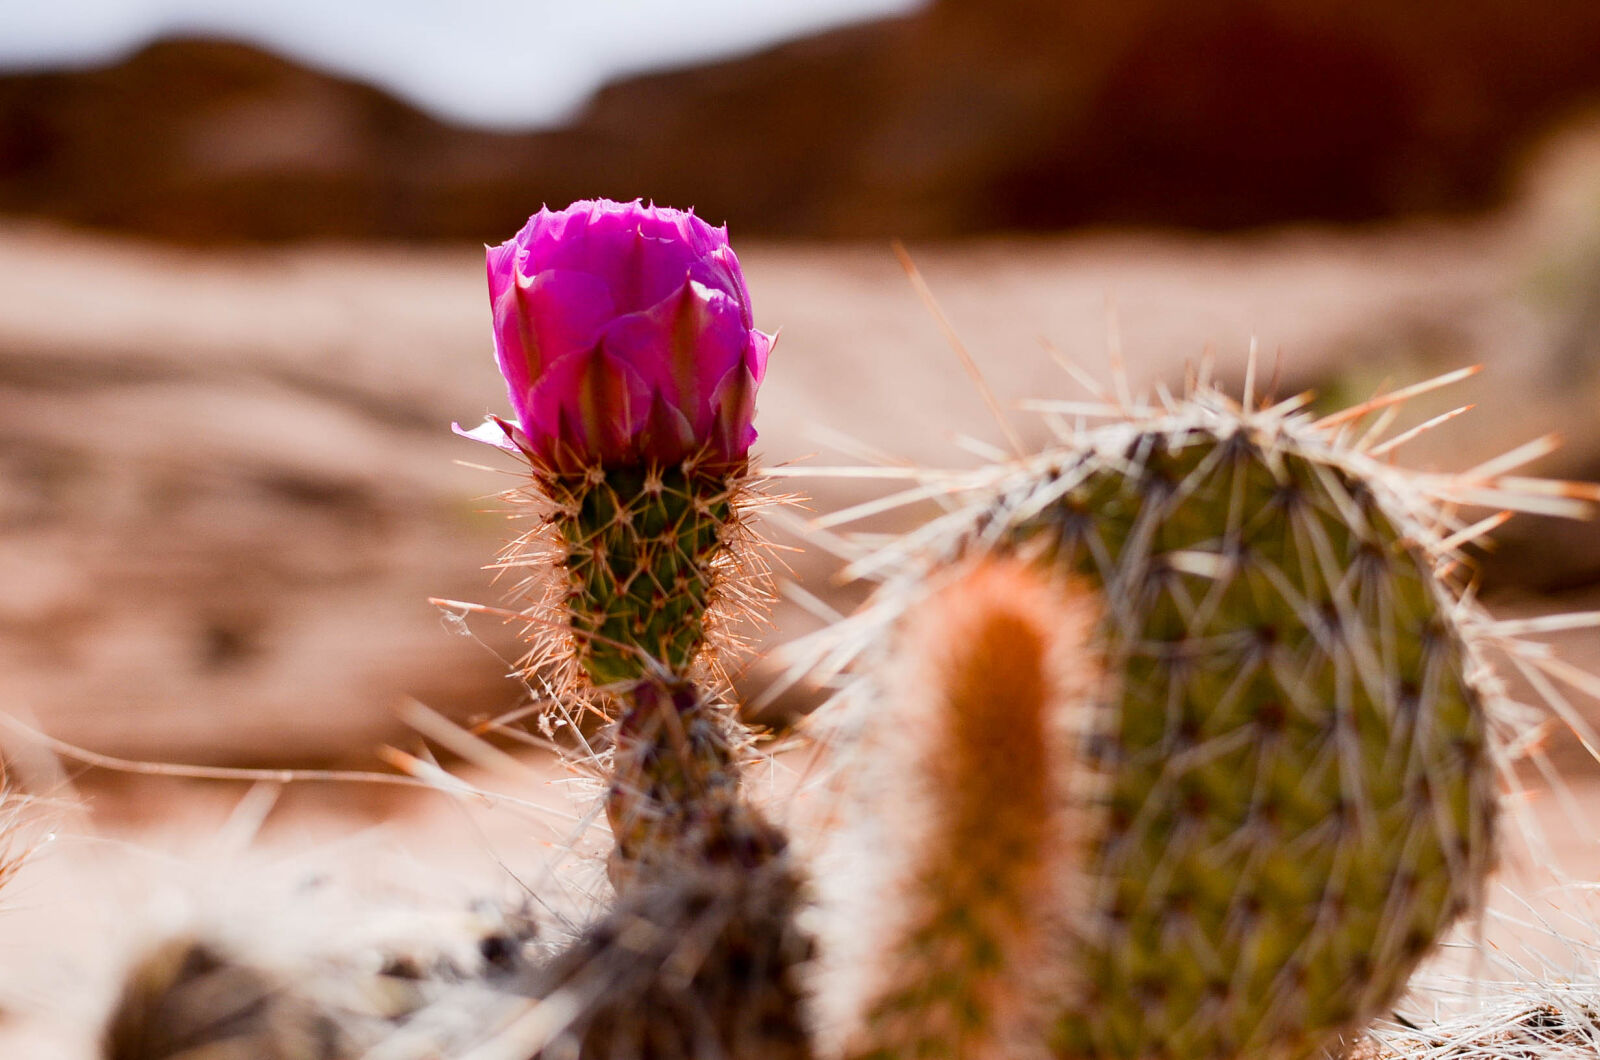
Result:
357,978
1182,743
1290,776
626,340
1295,792
674,797
186,998
1301,800
642,558
706,962
643,554
969,819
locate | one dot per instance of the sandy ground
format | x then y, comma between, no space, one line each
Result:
229,488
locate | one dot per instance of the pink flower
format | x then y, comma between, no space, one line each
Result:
625,337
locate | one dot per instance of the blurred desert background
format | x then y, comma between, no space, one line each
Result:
242,301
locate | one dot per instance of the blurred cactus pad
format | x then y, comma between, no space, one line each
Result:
1294,757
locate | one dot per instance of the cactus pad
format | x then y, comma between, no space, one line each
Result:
1299,801
1295,775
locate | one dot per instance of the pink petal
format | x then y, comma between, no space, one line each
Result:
683,346
541,319
667,437
734,431
720,269
597,400
501,263
756,353
567,311
502,434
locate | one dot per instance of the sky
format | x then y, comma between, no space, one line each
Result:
494,63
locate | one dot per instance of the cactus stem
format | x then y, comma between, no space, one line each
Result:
979,740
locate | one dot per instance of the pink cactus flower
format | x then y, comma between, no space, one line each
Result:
625,336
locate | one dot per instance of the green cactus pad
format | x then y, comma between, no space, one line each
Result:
1299,800
643,546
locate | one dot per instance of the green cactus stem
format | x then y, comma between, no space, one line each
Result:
644,548
674,797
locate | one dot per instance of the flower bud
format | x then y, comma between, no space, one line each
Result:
625,336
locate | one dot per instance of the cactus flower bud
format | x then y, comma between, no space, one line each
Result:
630,355
625,336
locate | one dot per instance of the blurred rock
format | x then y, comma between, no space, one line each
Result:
964,117
228,487
225,499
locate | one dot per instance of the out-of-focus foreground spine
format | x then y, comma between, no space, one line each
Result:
970,826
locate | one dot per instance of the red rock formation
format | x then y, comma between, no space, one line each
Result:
964,117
